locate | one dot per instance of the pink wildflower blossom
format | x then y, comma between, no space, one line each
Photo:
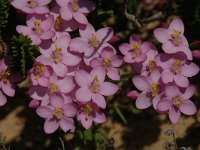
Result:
109,62
37,28
177,101
89,112
56,114
32,6
135,50
92,86
173,39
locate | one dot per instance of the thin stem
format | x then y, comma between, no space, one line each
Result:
130,17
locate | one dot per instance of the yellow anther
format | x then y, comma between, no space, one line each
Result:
94,41
176,66
38,70
53,88
38,31
56,56
87,109
151,65
95,85
57,113
58,23
37,23
4,76
73,5
177,101
106,63
154,89
32,4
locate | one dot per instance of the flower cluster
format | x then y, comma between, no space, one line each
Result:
68,78
163,77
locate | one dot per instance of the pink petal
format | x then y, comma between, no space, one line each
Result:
70,59
174,115
113,74
18,4
79,17
188,92
43,81
117,61
143,101
167,76
186,50
33,104
44,111
107,52
155,76
141,58
99,100
162,35
56,101
62,2
50,126
188,107
87,31
37,92
66,85
189,69
181,80
44,2
67,124
99,117
86,6
66,13
63,41
79,45
8,89
83,94
23,29
104,34
69,110
169,48
176,24
47,24
47,35
171,91
99,72
141,83
41,10
145,47
82,78
108,89
132,94
124,48
164,105
87,123
60,69
96,62
134,39
35,39
3,99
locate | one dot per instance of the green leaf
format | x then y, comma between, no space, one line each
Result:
119,112
4,8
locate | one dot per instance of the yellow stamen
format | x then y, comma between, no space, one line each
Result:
32,4
176,66
94,41
53,88
37,23
87,109
106,63
57,113
177,101
38,31
38,70
154,89
56,56
4,76
74,6
151,65
95,85
58,23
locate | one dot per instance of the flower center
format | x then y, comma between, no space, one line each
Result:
106,63
136,49
176,66
94,41
176,37
38,70
177,101
151,66
32,4
58,23
56,55
95,85
73,5
53,88
37,29
87,109
57,113
4,76
154,89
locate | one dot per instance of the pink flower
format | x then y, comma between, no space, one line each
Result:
135,50
92,86
91,42
40,74
61,25
89,112
56,114
151,90
32,6
6,85
58,56
178,69
132,94
109,61
177,101
196,54
34,104
76,9
56,85
38,28
173,39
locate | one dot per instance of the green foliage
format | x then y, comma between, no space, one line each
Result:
4,8
23,54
